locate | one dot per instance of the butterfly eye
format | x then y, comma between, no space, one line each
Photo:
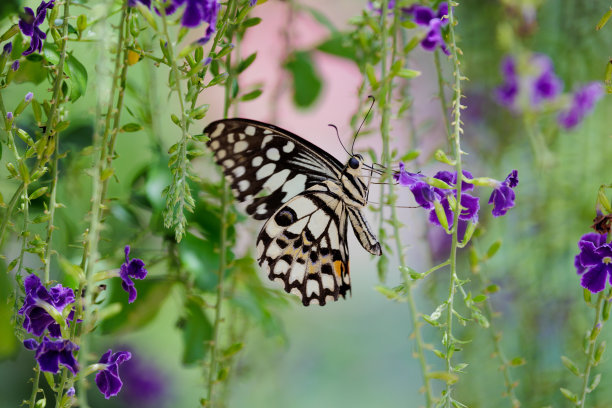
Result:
353,163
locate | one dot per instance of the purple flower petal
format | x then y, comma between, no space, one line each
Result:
108,380
50,354
594,279
134,268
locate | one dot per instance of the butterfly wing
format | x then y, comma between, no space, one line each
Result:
303,245
267,165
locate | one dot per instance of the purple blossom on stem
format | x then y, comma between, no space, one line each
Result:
426,195
134,268
196,12
29,23
36,318
9,115
425,16
594,262
547,85
583,102
108,380
50,354
506,93
503,196
15,65
8,48
29,96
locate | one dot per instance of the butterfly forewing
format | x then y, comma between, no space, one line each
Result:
303,246
266,165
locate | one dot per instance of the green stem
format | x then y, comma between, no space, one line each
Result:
453,278
52,205
90,252
442,97
591,349
212,369
34,388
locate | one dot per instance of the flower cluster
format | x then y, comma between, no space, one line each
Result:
196,12
594,262
536,81
47,311
434,21
29,23
429,194
527,84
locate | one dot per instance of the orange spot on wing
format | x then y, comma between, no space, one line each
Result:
339,268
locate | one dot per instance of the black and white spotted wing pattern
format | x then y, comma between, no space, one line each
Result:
307,198
266,165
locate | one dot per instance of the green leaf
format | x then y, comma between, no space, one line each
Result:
569,395
76,72
251,95
245,63
408,73
251,22
493,249
197,332
307,83
131,127
517,362
151,295
447,377
233,349
340,45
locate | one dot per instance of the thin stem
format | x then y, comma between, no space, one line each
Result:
442,97
176,206
34,387
453,278
212,369
51,210
90,251
591,349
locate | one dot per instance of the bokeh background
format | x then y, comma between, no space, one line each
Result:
358,352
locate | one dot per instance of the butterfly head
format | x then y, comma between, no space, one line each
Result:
354,164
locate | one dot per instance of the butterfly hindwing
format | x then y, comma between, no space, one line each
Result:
267,165
303,245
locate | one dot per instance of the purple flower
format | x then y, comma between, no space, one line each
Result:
508,90
15,65
29,96
426,195
71,391
594,262
8,48
29,23
196,12
9,115
502,197
134,268
425,16
583,102
108,380
547,85
50,354
36,318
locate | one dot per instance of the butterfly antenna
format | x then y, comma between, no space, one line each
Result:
338,134
363,121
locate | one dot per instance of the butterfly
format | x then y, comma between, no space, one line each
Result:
307,198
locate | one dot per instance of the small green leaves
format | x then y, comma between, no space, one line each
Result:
571,366
131,127
569,395
306,81
604,19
